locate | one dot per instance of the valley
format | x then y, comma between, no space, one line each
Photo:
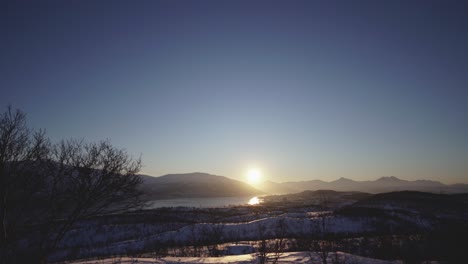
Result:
396,226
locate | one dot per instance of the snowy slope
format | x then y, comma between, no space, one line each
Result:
289,257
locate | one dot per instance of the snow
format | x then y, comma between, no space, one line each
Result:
107,239
288,257
239,249
268,227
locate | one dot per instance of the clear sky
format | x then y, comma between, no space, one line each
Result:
300,89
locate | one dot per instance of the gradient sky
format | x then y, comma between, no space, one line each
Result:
301,89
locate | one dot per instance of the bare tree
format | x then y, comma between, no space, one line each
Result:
322,249
279,245
323,243
195,241
213,235
21,156
262,244
47,188
85,180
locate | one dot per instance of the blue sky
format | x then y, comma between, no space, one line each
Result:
300,89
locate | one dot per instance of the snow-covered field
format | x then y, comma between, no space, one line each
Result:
289,257
142,237
377,229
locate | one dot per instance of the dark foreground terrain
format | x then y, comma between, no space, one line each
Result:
412,227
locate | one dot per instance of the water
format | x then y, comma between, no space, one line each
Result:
205,202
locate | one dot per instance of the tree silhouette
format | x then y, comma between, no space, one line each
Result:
45,188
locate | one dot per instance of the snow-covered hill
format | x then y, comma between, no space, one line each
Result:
285,258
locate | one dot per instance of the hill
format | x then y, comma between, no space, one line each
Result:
194,185
429,203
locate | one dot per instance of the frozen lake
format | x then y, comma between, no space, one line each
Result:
205,202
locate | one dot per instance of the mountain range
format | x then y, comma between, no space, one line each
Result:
383,184
199,184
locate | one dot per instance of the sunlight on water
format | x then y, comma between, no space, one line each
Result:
254,201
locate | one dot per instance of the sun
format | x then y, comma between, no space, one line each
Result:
254,176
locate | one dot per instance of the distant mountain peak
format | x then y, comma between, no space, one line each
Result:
189,174
343,179
389,178
382,184
195,184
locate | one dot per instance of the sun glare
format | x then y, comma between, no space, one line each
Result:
254,201
254,176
